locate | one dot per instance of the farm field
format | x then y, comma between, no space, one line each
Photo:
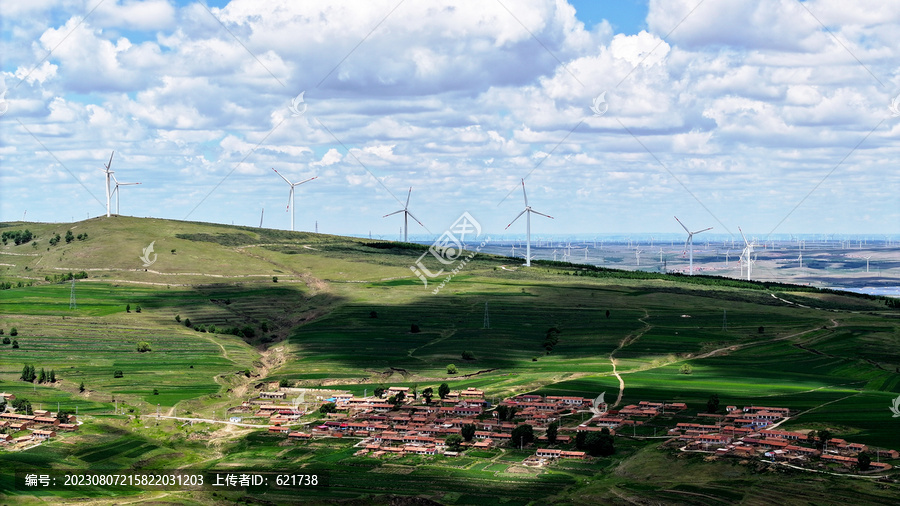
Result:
330,312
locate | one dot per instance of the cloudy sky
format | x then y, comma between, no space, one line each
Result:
772,115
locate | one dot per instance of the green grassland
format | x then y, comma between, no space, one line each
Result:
341,314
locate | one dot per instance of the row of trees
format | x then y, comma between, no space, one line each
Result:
69,276
17,236
29,374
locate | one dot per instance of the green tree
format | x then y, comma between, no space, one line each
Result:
712,405
143,346
327,408
155,391
42,377
187,323
414,329
284,383
15,344
580,438
552,430
600,444
863,461
28,373
81,387
451,369
274,279
22,405
399,398
824,435
443,390
63,415
454,442
118,373
6,340
428,393
69,236
127,308
468,355
468,431
522,435
686,369
137,309
14,332
178,318
379,391
52,376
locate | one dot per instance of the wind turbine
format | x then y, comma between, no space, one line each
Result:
747,250
800,258
116,190
406,215
290,206
108,174
637,255
690,242
867,262
527,211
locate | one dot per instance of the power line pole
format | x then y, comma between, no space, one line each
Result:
72,304
724,319
487,317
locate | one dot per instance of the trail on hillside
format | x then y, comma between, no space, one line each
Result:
623,343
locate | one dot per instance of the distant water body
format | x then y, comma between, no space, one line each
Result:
890,291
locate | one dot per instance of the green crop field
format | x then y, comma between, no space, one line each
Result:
333,312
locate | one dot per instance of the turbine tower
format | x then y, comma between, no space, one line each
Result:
116,190
527,211
748,249
108,174
867,262
637,256
290,206
689,243
406,215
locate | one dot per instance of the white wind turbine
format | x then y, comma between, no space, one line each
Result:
108,174
116,190
527,211
637,256
748,249
800,258
867,262
690,242
290,206
406,215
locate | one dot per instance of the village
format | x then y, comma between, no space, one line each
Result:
19,429
398,422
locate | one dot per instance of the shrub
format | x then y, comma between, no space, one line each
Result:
137,309
118,373
14,332
468,355
187,323
155,392
15,344
143,346
5,340
451,369
274,279
81,387
178,318
414,329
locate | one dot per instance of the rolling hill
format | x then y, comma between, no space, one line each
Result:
326,311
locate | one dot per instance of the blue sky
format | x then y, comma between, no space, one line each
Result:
727,114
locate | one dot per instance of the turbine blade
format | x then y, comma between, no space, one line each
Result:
704,230
523,192
282,177
542,214
682,225
742,237
304,181
516,218
407,199
110,160
413,217
393,213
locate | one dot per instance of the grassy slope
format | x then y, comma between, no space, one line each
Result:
328,286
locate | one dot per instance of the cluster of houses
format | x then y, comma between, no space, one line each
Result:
742,433
421,428
42,424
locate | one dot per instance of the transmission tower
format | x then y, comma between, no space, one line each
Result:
72,304
487,317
